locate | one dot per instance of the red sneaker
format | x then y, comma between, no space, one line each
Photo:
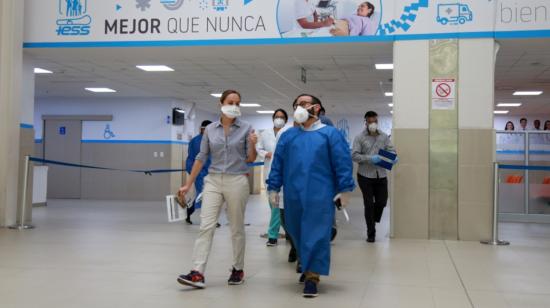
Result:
193,279
237,277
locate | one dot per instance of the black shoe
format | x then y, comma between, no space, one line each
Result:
298,268
370,239
188,220
236,278
218,225
271,242
302,278
310,289
292,256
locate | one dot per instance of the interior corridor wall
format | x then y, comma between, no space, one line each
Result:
140,136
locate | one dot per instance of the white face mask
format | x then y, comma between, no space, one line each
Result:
231,111
301,115
373,127
279,123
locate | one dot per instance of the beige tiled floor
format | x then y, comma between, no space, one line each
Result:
122,254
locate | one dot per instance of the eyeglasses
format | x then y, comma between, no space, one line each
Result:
303,105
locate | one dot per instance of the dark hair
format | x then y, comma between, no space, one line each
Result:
370,114
509,122
283,111
546,123
370,6
205,123
314,100
522,119
226,93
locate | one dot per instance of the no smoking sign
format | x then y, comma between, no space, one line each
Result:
443,94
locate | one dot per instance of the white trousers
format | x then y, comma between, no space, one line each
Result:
220,188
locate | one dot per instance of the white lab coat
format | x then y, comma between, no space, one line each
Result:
268,143
265,145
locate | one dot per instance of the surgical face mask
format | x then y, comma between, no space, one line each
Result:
231,111
301,114
373,127
279,123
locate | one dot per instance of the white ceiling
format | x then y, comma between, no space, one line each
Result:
343,75
524,65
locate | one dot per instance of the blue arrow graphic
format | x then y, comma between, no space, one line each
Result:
118,7
247,1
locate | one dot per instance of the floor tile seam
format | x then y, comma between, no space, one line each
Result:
459,276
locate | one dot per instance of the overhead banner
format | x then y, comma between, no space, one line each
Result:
120,23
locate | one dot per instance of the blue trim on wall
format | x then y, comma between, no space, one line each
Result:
26,126
38,141
135,141
521,152
300,40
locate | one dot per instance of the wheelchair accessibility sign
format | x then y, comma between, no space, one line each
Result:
443,94
108,133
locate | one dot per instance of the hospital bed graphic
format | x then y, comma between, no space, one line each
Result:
82,21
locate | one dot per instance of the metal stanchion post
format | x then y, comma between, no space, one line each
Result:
22,225
494,239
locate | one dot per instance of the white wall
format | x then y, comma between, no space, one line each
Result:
476,62
133,119
27,108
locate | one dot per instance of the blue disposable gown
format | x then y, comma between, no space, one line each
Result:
312,166
192,151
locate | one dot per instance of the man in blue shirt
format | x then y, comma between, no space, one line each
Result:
194,149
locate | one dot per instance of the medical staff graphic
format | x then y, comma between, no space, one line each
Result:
73,19
328,18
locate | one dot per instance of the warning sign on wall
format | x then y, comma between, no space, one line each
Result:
443,94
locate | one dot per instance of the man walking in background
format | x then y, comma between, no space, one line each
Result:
192,152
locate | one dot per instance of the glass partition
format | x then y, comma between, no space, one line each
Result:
511,151
524,193
539,181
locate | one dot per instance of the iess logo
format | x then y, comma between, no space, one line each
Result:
73,18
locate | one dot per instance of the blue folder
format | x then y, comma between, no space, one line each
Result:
388,159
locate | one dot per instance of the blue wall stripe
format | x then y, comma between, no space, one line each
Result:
26,126
291,41
521,152
38,141
135,141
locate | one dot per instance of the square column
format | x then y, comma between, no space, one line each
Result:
442,187
11,61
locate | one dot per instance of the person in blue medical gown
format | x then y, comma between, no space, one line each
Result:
313,164
193,150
